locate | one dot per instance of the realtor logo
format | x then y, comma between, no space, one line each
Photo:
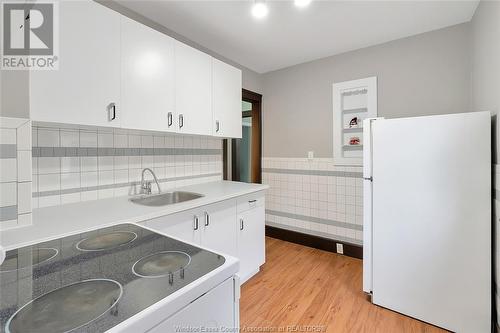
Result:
30,36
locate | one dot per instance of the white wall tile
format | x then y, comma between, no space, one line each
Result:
70,138
120,176
70,164
48,201
88,139
146,141
8,136
88,195
8,194
120,162
134,141
70,198
48,137
105,163
8,224
24,165
24,137
48,165
9,170
91,171
106,177
105,140
120,141
88,163
24,198
89,179
50,182
70,180
24,219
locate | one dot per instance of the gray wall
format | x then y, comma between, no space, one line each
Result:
420,75
486,96
14,94
486,62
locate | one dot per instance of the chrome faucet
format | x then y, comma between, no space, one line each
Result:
146,185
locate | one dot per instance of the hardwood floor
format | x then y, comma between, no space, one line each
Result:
313,289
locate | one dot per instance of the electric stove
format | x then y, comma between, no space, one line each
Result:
92,281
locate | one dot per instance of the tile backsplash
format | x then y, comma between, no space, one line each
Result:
72,165
314,196
15,172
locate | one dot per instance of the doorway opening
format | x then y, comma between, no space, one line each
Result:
242,157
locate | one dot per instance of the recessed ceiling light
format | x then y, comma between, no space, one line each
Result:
302,3
259,10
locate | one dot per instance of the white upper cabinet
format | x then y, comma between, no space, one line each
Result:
85,90
193,90
116,72
226,100
147,78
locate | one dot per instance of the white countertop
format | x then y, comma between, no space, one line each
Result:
59,221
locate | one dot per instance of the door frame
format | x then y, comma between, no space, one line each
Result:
256,114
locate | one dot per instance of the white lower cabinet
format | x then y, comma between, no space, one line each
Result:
215,311
219,229
235,227
183,225
251,235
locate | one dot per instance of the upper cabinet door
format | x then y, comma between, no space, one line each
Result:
193,90
85,90
147,81
226,100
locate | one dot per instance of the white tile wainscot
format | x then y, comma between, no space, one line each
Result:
314,196
15,173
80,164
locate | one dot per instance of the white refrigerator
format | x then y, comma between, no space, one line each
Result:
427,218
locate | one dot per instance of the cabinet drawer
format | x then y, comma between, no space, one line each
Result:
250,201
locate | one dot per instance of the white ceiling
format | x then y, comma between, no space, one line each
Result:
290,35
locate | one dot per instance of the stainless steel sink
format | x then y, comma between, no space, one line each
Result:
164,199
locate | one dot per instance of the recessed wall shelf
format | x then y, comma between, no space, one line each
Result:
353,102
353,130
352,147
359,110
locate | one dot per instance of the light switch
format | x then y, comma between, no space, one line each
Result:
310,155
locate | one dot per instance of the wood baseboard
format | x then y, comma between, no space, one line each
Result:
321,243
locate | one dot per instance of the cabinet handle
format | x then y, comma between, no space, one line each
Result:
242,224
196,224
170,120
217,126
181,121
207,219
252,201
112,111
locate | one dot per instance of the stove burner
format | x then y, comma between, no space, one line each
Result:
106,241
161,264
22,260
66,308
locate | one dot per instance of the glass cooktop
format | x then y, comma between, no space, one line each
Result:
92,281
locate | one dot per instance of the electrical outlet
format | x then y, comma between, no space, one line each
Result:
340,248
310,155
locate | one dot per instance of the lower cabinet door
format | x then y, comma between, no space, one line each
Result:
185,226
251,241
213,312
219,230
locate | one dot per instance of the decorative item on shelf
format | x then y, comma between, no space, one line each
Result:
354,123
353,141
